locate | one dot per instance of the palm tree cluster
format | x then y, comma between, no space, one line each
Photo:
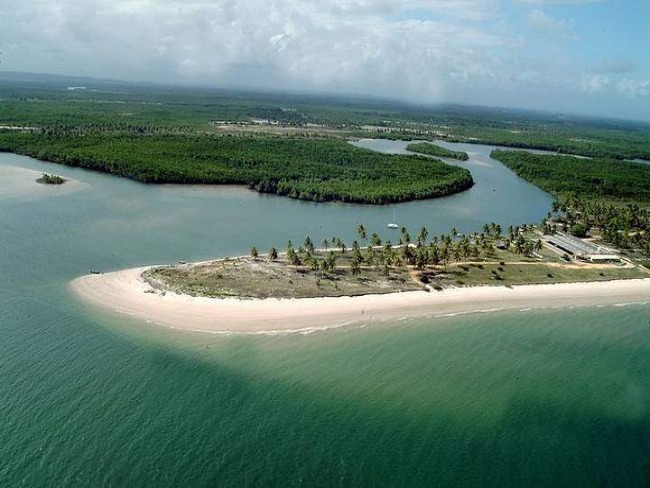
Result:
383,255
625,227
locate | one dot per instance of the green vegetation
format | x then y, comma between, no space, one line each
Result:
507,274
309,169
579,230
437,151
279,278
185,135
48,179
449,260
603,179
625,227
45,103
606,198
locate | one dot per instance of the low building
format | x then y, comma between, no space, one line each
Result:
580,249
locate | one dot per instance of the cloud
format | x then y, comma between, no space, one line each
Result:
341,45
418,50
546,23
634,88
616,67
559,2
594,83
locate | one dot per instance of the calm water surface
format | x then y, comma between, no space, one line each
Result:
553,398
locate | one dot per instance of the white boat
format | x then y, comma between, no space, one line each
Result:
393,225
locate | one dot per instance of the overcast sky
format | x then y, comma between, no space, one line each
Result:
582,56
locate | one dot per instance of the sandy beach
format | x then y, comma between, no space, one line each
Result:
126,292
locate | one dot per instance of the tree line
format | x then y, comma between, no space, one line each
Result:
318,169
597,178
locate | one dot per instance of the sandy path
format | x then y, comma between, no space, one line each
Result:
125,292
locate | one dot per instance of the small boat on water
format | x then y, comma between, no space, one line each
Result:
393,225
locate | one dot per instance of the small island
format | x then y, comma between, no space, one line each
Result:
50,179
431,149
306,286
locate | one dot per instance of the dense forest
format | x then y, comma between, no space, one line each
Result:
437,151
309,169
599,178
47,102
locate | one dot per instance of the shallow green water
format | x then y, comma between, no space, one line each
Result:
546,398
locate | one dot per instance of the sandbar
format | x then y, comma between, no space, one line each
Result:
126,292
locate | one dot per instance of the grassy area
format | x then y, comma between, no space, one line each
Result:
509,273
260,278
263,278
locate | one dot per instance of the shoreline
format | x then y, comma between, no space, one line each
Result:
126,292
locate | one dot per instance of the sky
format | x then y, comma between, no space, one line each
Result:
570,56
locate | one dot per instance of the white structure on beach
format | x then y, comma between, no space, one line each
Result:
582,250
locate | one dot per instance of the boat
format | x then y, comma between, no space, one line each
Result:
393,225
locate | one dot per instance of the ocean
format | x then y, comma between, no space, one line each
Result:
558,397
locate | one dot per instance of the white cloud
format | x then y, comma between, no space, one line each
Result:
559,2
542,21
420,50
341,45
634,88
595,83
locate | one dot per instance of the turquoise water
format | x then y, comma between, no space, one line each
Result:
553,398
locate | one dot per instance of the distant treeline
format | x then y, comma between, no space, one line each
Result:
435,150
308,169
590,178
155,110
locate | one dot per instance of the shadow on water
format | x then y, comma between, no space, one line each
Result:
214,424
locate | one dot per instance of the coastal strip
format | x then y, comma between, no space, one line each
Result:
126,292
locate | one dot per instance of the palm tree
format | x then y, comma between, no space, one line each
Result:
325,243
422,235
375,240
338,243
254,253
309,245
457,254
361,230
421,258
355,266
555,206
528,248
519,244
273,254
331,261
444,254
